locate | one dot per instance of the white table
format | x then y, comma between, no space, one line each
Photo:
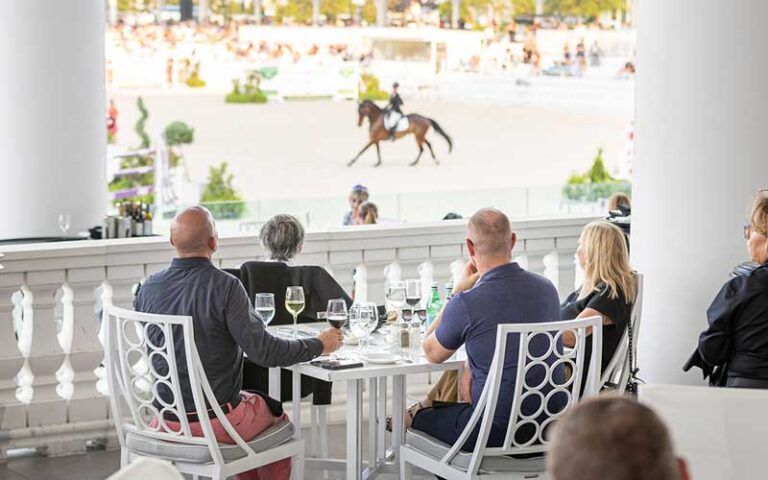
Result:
376,375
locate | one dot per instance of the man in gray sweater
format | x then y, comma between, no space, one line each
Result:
225,326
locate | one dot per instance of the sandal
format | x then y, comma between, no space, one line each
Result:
410,413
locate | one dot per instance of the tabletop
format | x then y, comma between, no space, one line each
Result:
417,363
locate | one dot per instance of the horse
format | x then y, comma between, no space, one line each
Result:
418,125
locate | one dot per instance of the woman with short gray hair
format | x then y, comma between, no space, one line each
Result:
282,238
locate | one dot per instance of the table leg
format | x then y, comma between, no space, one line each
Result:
373,426
354,429
381,419
398,413
296,402
274,383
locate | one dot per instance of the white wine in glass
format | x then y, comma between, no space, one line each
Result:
294,303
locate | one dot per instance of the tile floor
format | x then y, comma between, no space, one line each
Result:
101,464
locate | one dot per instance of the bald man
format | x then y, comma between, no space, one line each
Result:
492,291
225,325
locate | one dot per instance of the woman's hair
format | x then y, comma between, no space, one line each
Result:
359,192
282,237
619,201
607,261
759,214
369,213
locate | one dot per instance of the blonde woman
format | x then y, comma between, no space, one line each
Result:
367,214
733,350
609,286
357,197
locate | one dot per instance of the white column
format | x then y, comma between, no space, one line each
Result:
202,11
53,140
381,13
112,12
315,12
701,111
455,12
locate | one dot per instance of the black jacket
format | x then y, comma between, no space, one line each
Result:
395,102
737,336
275,277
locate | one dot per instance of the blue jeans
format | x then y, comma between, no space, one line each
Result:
446,423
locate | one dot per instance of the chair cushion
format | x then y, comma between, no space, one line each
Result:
433,447
140,444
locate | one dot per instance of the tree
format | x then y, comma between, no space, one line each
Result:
583,8
186,10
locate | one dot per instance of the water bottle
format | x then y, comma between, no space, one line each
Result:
448,292
433,305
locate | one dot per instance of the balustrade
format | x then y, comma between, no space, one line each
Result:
51,296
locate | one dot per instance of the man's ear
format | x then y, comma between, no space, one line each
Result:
512,241
682,466
213,243
470,248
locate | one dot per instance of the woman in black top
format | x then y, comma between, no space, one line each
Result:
733,351
608,290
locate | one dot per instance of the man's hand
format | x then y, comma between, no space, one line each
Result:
468,278
332,339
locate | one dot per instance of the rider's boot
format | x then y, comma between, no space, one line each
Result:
392,132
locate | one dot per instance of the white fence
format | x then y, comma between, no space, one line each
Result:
51,394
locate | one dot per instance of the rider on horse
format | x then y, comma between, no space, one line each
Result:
393,107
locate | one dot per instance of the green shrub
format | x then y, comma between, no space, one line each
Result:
220,196
140,124
194,79
177,133
249,93
594,184
370,89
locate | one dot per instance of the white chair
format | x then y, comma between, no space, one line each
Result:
617,371
450,462
140,412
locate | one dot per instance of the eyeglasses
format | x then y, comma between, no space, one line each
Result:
748,231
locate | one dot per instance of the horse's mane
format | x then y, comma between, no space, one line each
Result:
371,103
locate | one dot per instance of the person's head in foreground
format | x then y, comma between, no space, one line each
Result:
613,438
490,239
193,233
282,237
756,232
603,255
368,214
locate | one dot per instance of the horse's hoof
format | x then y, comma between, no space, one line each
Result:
350,163
413,164
377,164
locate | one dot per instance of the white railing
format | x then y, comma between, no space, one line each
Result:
51,296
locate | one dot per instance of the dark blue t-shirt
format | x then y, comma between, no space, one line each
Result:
506,294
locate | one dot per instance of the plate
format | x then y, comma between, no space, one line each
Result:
381,358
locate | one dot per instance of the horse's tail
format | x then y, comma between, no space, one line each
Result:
442,133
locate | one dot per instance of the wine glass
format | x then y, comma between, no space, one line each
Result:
65,220
294,303
264,304
396,294
413,292
362,321
336,314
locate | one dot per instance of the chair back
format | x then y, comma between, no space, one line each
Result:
534,407
144,380
617,371
268,277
